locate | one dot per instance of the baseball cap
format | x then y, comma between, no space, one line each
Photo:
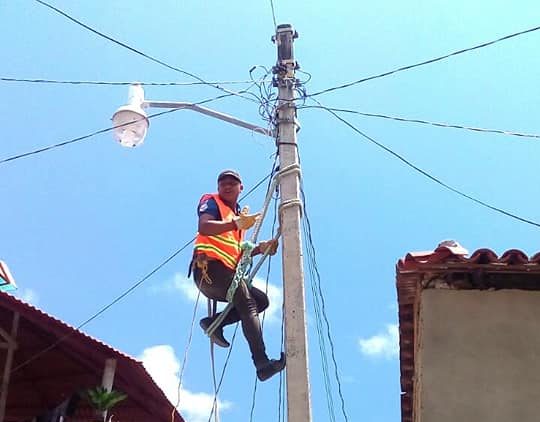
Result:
231,173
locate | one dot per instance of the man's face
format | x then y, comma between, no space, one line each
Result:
229,189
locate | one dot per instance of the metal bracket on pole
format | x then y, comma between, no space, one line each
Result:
209,112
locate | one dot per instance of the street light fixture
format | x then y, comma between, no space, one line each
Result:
131,122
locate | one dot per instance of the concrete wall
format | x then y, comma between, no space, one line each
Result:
478,356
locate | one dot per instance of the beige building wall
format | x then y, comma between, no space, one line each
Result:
478,356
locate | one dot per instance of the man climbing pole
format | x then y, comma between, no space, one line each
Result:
215,258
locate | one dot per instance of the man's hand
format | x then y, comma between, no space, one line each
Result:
245,221
270,245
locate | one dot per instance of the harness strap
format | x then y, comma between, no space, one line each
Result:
201,262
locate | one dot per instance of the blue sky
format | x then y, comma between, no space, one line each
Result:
82,223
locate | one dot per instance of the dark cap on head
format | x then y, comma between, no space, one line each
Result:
231,173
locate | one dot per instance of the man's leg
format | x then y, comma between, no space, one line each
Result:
246,305
261,301
246,308
213,283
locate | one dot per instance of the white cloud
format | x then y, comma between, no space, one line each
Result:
188,289
383,344
163,365
275,295
28,295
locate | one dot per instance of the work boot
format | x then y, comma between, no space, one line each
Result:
271,368
217,336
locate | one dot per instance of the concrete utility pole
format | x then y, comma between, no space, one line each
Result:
298,394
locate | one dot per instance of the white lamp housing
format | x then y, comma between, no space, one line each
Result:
130,121
130,124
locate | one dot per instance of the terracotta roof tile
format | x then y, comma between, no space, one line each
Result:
447,258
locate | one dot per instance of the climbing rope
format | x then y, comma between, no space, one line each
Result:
268,268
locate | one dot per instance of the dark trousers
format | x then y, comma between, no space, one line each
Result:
248,302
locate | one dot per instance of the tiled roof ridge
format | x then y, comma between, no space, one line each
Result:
444,254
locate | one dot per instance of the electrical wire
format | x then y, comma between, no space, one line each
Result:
98,132
223,371
273,13
115,83
316,301
426,122
426,174
267,97
104,308
282,379
125,293
136,51
78,139
436,59
186,353
316,280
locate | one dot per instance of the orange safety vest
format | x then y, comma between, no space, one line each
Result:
224,247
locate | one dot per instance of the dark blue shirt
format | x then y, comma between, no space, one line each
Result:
208,205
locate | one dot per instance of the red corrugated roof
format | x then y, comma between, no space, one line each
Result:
448,258
76,363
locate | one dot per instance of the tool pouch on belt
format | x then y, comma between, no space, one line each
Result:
200,261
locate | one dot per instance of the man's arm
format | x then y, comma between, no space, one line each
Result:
209,226
271,244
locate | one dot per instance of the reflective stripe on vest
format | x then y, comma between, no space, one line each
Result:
226,246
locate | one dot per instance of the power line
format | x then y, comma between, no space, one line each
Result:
105,308
426,174
222,376
126,292
134,50
98,132
320,310
115,83
426,122
436,59
80,138
186,352
273,13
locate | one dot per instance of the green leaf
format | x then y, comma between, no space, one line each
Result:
102,400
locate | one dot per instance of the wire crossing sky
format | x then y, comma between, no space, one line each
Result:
80,226
430,61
